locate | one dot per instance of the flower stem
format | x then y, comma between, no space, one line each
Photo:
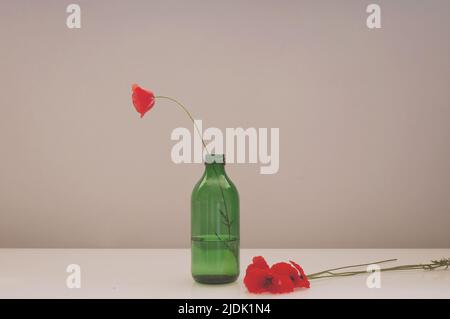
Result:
352,266
445,262
188,114
225,216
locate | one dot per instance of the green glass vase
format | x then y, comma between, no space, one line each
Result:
215,225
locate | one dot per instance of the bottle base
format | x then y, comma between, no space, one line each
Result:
215,279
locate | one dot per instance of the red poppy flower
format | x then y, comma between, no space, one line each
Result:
298,279
143,100
280,278
259,280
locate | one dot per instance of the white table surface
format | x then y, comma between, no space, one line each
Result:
165,273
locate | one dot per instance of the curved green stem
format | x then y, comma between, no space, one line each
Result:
179,104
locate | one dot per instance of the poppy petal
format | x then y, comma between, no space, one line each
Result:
258,263
143,100
258,280
304,279
281,284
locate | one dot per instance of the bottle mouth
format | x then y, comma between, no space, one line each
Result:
215,159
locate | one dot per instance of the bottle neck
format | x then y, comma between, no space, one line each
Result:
214,165
214,169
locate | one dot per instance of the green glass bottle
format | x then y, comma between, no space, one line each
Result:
215,225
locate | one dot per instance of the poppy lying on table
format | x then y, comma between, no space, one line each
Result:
280,278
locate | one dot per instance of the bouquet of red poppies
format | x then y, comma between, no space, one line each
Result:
283,277
280,278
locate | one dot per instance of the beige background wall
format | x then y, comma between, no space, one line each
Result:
364,118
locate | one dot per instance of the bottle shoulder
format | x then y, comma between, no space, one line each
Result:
210,186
